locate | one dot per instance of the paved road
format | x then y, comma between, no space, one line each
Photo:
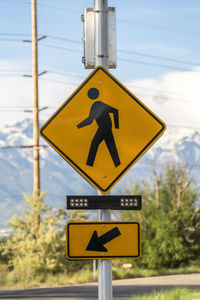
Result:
122,289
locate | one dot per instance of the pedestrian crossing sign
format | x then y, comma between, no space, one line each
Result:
102,129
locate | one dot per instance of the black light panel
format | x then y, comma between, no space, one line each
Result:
122,202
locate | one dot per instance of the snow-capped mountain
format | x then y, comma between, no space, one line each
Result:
59,179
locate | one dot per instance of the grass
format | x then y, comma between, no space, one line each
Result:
47,280
120,273
13,280
175,294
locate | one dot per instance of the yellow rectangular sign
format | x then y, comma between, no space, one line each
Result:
103,240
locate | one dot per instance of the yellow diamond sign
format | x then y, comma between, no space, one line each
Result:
102,129
97,240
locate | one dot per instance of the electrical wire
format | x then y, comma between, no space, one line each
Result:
10,40
128,85
124,59
64,39
159,57
22,147
15,70
17,2
59,8
61,48
120,50
159,27
170,29
14,34
59,81
154,65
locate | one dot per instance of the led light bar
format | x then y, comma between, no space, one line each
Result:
75,202
122,202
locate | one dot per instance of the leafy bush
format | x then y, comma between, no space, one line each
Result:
37,244
170,219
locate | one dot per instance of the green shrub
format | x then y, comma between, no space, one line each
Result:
170,219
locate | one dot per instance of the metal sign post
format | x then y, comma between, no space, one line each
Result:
67,130
104,265
101,59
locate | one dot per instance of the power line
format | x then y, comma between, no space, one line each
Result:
64,39
15,70
120,50
155,89
132,52
17,2
11,75
131,85
128,85
10,40
167,98
159,27
61,48
44,5
65,74
123,59
153,26
59,8
14,34
21,147
4,106
59,81
154,65
184,126
158,57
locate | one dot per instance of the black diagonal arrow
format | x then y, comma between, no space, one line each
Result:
96,243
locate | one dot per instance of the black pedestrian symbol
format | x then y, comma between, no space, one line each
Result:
100,113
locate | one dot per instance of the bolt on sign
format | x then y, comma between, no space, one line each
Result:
97,240
102,129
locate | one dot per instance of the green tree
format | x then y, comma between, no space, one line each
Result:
32,250
36,251
170,218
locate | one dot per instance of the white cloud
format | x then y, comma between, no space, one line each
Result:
17,91
174,97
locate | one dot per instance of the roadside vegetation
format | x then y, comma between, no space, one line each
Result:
34,254
175,294
170,219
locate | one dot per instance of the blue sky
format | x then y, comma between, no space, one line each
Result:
155,32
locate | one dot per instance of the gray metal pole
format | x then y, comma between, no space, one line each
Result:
101,59
101,33
104,266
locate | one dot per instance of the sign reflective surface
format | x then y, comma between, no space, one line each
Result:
102,129
97,240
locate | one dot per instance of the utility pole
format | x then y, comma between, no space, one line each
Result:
101,59
36,161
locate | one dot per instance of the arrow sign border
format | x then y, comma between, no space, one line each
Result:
70,257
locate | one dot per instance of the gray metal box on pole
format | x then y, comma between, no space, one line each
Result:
89,37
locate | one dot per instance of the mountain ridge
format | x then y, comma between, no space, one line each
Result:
59,179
